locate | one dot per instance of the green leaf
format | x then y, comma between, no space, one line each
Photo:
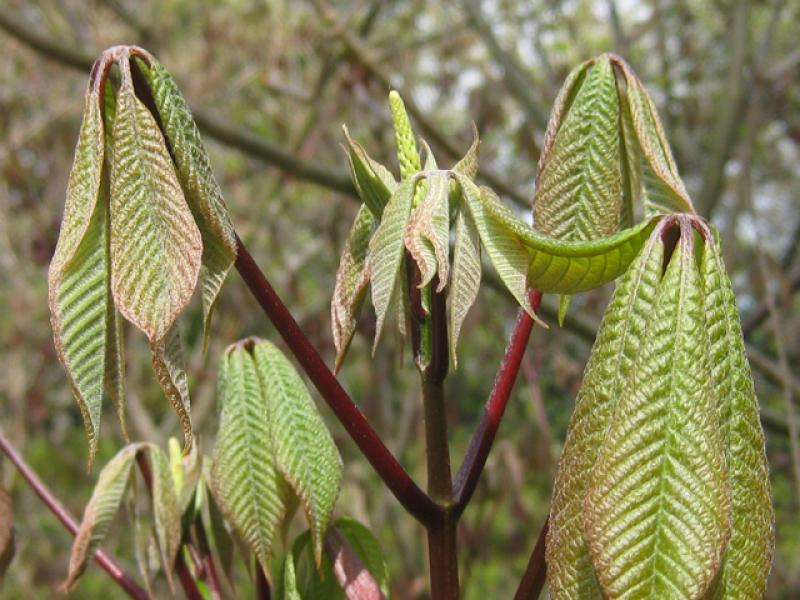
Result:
386,250
156,246
657,505
304,451
186,472
407,153
374,183
368,549
196,176
748,557
81,306
287,587
99,512
579,185
466,278
166,514
352,278
468,165
570,572
427,234
168,364
246,484
310,580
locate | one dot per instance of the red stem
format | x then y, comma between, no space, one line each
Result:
414,500
188,583
533,580
207,558
481,443
263,590
112,567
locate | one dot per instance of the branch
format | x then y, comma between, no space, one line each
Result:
482,439
226,133
413,499
535,573
115,571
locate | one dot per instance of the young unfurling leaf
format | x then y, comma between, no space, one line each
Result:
373,182
427,235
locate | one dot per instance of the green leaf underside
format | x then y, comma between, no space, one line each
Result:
373,182
246,484
156,246
99,512
748,557
168,365
203,194
386,250
166,515
465,279
570,571
368,549
427,235
352,278
304,451
579,189
81,307
657,504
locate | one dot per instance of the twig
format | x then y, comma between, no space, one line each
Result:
115,571
207,560
533,580
482,439
413,499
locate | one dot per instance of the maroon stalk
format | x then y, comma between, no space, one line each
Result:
413,499
263,590
120,577
207,560
188,583
533,580
481,442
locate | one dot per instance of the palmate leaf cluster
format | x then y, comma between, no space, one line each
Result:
144,221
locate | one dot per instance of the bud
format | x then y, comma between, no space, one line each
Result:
662,489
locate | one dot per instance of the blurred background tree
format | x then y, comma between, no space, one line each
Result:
272,82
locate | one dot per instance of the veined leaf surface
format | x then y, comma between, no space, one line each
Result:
203,194
167,357
466,278
429,224
247,486
352,278
386,250
99,512
81,306
304,451
374,183
156,246
748,557
570,571
166,515
657,506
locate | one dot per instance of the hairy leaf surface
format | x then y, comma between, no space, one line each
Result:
304,451
386,250
203,194
100,511
748,557
156,246
466,278
247,486
81,307
657,506
352,278
570,571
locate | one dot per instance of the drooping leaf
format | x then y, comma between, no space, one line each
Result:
166,514
97,516
156,246
427,234
570,573
374,183
368,549
657,505
466,278
352,278
304,452
247,486
81,307
203,194
748,557
386,250
167,356
6,532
